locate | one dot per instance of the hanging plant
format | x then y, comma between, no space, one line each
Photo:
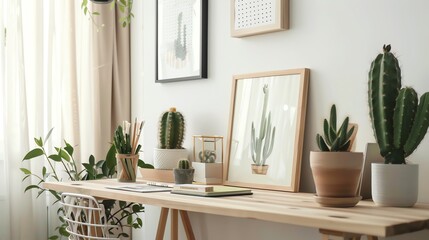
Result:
125,6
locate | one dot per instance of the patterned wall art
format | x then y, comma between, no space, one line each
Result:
181,40
252,17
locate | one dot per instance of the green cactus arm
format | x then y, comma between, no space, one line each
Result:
384,84
258,151
403,117
333,118
180,124
420,126
321,143
162,131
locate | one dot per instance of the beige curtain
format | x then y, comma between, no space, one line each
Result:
104,86
57,70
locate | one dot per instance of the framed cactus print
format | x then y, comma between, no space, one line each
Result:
181,40
266,130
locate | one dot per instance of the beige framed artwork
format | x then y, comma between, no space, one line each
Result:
252,17
266,130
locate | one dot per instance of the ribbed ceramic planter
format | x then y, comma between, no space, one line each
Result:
394,185
168,158
336,174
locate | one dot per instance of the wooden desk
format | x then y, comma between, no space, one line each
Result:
291,208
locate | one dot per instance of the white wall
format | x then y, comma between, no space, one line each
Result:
336,39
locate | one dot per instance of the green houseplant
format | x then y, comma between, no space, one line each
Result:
116,211
261,146
184,173
400,122
336,170
171,136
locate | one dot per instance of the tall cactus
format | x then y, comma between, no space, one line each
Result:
261,147
171,130
399,123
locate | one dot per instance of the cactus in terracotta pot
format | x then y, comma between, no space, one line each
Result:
171,130
399,120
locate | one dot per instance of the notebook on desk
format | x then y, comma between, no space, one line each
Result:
142,188
211,191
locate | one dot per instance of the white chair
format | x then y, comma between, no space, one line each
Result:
85,218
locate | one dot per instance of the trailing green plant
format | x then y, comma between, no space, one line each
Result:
171,130
261,147
125,6
183,164
333,139
399,120
91,171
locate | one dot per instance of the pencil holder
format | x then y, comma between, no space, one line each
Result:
127,167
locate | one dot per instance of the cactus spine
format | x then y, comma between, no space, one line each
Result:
171,130
261,147
183,164
335,140
398,121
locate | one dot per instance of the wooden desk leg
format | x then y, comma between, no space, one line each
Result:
174,223
161,224
187,225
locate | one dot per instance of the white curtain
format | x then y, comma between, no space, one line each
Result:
56,71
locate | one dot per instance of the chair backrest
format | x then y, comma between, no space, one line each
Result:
85,218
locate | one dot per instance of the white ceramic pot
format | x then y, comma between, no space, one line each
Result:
394,185
168,158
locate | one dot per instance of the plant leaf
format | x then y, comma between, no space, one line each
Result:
55,157
33,153
69,149
48,135
25,171
30,187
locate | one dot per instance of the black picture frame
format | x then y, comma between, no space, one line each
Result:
178,57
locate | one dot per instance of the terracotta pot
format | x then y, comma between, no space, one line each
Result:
336,174
395,185
257,169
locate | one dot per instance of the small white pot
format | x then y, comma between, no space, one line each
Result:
394,185
208,173
168,158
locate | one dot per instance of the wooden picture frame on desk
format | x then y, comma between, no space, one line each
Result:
253,17
275,101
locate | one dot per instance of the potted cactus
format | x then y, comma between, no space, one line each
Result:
336,170
261,146
171,135
184,173
400,122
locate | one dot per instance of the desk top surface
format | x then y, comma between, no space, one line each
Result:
283,207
